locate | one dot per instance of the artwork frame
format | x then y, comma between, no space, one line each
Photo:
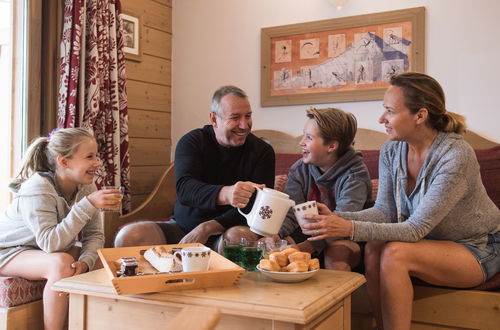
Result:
132,27
292,74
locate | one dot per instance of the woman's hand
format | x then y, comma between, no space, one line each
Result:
326,226
323,209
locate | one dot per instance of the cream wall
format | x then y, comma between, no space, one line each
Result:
218,42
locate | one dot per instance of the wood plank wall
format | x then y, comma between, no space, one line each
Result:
149,96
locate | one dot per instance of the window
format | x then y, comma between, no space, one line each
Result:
12,91
29,39
5,99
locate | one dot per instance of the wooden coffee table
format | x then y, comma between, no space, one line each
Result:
255,302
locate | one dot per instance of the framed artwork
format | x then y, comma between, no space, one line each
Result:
132,29
340,60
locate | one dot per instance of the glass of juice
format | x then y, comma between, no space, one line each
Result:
118,197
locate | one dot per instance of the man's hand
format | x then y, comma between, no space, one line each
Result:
202,232
238,194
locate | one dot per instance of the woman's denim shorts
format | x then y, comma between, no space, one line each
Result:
489,258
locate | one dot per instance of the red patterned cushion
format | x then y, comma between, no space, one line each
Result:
16,291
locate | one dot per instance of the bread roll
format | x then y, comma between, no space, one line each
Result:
314,264
162,259
300,256
289,251
297,266
269,264
280,258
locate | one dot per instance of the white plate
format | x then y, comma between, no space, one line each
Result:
287,276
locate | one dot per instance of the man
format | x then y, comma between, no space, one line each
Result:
216,170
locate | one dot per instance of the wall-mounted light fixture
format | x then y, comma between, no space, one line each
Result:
338,3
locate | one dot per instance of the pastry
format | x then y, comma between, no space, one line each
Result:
299,256
297,266
162,259
269,264
289,260
289,251
314,264
280,258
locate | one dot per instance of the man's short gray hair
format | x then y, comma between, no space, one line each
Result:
223,91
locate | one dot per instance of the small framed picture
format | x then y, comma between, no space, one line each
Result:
132,29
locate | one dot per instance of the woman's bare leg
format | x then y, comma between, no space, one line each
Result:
38,265
373,251
436,262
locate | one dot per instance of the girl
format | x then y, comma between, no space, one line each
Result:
433,218
55,199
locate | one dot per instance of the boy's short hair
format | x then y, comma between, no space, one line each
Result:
335,125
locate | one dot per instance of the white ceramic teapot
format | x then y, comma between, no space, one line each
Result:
268,211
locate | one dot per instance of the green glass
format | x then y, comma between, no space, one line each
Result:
250,257
232,252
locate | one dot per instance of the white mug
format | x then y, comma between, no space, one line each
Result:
300,210
268,211
194,258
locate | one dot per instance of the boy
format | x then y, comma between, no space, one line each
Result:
330,172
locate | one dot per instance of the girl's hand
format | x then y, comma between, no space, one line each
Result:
79,267
326,226
108,199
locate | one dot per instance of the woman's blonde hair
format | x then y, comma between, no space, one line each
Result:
43,151
423,91
335,125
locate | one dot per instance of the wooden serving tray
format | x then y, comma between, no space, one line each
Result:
221,272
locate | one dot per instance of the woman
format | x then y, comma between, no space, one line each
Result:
433,218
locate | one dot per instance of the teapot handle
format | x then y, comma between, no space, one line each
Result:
241,212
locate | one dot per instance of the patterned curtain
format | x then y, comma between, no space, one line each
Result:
92,87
